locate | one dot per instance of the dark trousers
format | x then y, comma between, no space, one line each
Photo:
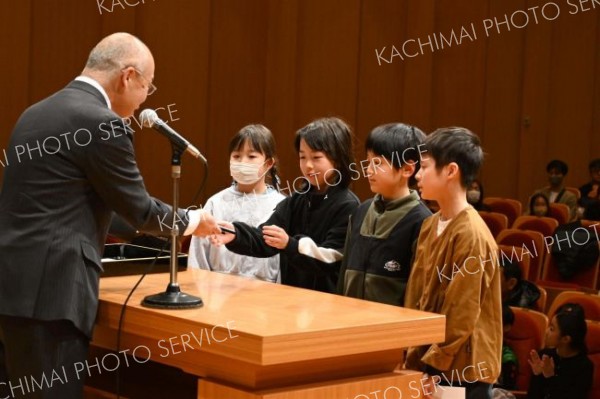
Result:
40,359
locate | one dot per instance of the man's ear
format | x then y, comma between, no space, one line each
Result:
511,283
124,79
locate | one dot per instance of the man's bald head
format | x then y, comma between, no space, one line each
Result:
124,67
117,51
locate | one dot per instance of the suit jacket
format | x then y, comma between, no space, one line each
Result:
70,164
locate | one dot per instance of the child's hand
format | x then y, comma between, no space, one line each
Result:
223,238
535,362
547,366
275,236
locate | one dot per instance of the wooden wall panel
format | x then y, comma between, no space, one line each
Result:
181,54
15,36
327,60
502,102
594,150
536,102
380,85
418,71
280,94
558,97
119,20
572,92
61,39
237,76
459,70
228,63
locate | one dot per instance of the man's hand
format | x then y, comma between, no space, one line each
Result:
207,225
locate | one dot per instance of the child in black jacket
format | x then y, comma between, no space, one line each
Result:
562,370
307,229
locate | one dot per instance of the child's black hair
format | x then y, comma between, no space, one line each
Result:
334,137
570,318
459,145
398,143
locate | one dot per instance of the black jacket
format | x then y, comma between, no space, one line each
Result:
572,378
322,218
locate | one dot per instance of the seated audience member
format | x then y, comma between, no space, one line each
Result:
515,290
475,196
590,192
539,205
510,364
563,369
575,248
556,192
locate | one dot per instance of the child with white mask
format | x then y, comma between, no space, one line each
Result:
252,163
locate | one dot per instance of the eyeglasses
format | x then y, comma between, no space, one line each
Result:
151,87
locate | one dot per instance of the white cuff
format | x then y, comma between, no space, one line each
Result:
193,216
306,246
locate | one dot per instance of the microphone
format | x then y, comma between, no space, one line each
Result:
149,118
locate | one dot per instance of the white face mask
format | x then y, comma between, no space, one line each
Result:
246,173
473,196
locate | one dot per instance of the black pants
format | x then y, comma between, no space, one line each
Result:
40,359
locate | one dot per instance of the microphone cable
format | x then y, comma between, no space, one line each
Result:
204,180
148,269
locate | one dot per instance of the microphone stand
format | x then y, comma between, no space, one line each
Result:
173,298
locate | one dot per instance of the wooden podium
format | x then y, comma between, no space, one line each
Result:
257,340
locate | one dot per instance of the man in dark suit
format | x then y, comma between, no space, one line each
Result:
71,164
